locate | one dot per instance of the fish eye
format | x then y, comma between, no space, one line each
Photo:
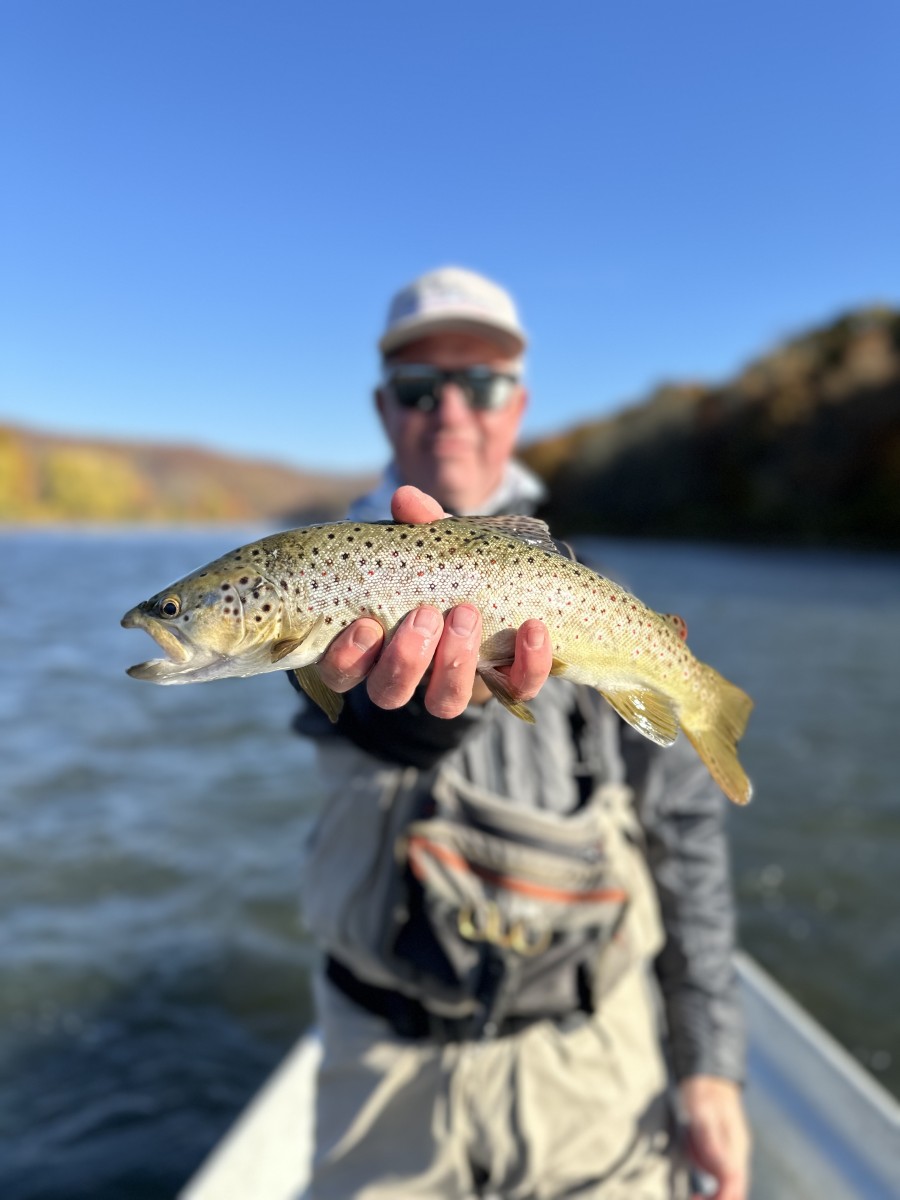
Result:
170,607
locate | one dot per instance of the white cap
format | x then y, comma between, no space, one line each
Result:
457,300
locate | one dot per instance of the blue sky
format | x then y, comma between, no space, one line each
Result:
206,206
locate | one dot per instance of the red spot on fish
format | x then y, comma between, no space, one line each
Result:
677,623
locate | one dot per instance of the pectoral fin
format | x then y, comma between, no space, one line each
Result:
650,713
285,647
330,702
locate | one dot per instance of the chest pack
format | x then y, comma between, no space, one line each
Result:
510,910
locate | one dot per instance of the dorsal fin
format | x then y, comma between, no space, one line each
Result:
530,530
677,623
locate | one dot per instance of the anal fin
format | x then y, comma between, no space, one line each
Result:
650,713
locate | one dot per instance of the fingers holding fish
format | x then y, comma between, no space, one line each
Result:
351,655
406,658
530,668
447,653
453,669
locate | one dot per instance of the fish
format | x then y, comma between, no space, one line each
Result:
277,603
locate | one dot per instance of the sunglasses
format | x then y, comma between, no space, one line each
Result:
420,387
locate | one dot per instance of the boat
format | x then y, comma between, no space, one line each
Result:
823,1127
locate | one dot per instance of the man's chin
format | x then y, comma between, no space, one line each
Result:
458,487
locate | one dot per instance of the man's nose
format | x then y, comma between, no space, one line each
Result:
452,404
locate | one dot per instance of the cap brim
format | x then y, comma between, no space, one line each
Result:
511,339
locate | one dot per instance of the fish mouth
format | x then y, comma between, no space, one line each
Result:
178,655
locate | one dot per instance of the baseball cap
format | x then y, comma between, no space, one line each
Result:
453,299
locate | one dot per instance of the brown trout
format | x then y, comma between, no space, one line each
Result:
277,603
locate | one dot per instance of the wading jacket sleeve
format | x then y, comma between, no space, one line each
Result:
682,814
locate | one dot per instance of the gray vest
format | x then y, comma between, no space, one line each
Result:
514,865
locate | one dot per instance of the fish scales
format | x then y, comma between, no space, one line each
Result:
276,604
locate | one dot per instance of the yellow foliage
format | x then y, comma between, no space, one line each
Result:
17,491
89,483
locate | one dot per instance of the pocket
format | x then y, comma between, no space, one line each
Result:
514,894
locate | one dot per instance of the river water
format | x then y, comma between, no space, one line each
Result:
153,967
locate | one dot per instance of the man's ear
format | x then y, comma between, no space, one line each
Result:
380,403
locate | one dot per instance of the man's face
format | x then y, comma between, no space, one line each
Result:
454,452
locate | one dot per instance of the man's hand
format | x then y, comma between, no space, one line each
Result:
718,1135
426,640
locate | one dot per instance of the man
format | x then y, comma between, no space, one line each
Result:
490,1026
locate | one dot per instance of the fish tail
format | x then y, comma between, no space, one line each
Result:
716,735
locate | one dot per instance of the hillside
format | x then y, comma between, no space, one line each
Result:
802,446
45,478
